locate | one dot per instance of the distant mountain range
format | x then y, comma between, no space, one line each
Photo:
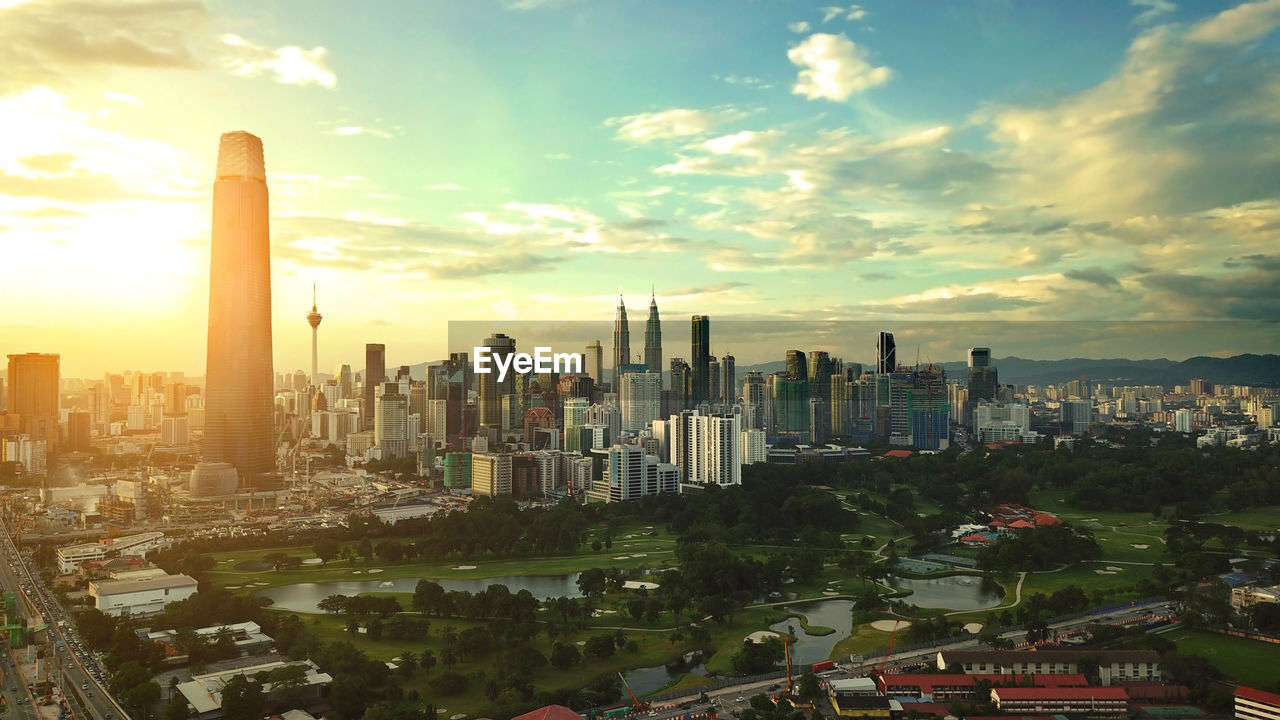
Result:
1248,369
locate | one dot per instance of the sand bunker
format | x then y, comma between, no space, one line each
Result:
1113,568
456,716
973,628
887,625
233,587
312,561
581,642
760,636
829,593
357,572
621,557
464,567
635,555
375,570
1105,572
1139,546
639,584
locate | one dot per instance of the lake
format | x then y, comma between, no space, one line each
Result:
955,592
808,649
304,597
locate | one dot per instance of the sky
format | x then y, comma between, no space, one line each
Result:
526,160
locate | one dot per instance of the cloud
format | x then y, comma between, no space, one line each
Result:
351,130
800,27
748,80
291,65
122,98
453,187
61,44
671,124
874,276
853,13
833,67
1154,10
1095,275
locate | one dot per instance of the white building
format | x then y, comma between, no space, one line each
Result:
1182,421
707,448
437,418
640,397
391,423
630,473
754,449
22,449
140,597
71,557
1076,415
203,693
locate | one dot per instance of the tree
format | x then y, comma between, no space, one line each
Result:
326,548
599,647
242,699
176,708
591,583
636,608
810,689
142,697
365,549
564,656
289,685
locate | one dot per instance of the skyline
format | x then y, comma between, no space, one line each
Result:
785,162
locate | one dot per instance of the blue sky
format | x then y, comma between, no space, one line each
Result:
527,159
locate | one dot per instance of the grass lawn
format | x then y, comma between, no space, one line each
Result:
1252,662
864,640
1085,577
1258,518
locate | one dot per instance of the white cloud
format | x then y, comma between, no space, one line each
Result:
1154,9
349,130
799,27
444,186
291,65
833,67
673,123
853,13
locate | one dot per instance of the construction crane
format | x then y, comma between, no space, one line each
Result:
786,653
889,650
636,704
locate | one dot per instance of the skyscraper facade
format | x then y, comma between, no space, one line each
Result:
621,341
34,379
640,399
701,361
492,391
983,380
796,368
728,380
653,338
238,370
375,373
886,354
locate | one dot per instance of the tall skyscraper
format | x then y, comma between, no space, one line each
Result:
34,380
681,383
796,367
653,338
820,376
983,380
593,362
728,379
886,354
640,399
313,319
701,361
492,391
621,341
345,383
238,374
375,373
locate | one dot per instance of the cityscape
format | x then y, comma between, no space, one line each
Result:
904,420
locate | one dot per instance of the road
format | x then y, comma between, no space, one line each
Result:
74,666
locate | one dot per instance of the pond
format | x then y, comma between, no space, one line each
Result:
955,592
304,597
648,679
808,649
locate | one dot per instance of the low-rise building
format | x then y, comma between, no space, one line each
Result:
247,637
872,707
1100,702
1114,666
71,557
140,597
1256,704
203,693
951,686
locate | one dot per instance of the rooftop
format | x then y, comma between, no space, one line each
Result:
103,588
1071,693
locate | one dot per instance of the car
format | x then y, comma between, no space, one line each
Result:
741,699
84,686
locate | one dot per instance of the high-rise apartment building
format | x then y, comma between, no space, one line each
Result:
391,422
490,474
928,410
238,413
701,361
631,473
653,338
640,398
1076,415
728,379
34,380
753,400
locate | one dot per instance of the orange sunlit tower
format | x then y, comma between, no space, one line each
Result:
239,381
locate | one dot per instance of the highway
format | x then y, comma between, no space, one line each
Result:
75,669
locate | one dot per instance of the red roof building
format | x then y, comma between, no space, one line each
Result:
956,686
1256,704
1092,701
550,712
898,453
